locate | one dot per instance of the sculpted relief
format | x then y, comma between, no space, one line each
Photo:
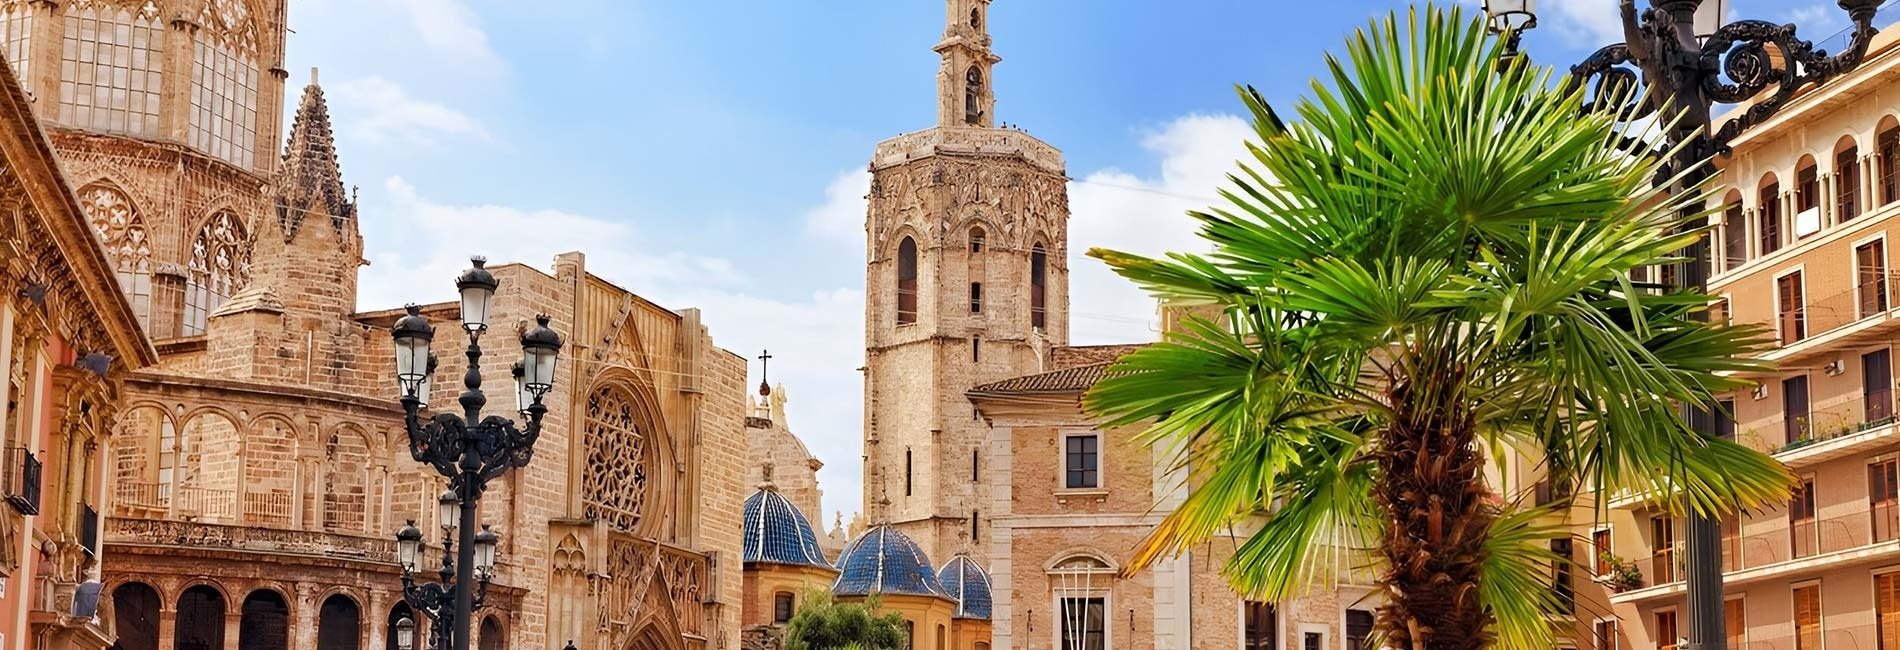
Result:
1016,197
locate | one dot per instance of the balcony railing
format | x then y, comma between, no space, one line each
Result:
23,480
195,501
267,507
1865,299
1765,544
1846,418
130,499
1859,637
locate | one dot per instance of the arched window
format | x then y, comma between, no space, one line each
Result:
1807,191
135,611
1082,584
339,624
1038,286
111,62
782,605
121,231
200,623
1846,180
397,613
1888,148
224,87
1734,232
346,472
168,448
265,622
972,94
16,36
976,19
492,637
1768,215
205,483
220,265
977,237
906,281
614,488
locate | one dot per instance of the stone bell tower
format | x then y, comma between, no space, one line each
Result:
967,283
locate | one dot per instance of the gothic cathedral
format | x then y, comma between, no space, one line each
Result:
966,283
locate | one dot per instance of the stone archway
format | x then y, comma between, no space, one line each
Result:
651,638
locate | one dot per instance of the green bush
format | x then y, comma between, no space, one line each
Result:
824,624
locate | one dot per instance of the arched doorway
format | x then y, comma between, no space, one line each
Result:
265,624
200,623
339,624
492,637
397,613
135,611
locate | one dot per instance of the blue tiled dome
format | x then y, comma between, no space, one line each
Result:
969,585
775,531
884,561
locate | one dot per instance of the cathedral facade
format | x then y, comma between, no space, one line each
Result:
254,475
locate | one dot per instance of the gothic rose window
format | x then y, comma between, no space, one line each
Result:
121,231
616,480
220,265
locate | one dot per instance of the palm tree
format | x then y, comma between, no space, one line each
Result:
1430,266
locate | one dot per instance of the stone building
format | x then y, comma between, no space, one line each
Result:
967,237
259,469
68,339
776,456
783,564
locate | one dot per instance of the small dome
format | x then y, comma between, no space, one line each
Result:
775,531
969,585
884,561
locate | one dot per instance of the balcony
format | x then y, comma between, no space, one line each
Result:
1841,430
22,480
1771,549
1862,314
147,532
1859,637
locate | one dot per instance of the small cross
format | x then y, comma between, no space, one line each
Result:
765,364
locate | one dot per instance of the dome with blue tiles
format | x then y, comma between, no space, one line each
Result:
884,561
969,585
775,531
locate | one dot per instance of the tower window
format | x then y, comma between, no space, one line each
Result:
973,464
977,239
974,518
976,348
972,91
976,297
907,282
1038,286
976,19
782,606
907,472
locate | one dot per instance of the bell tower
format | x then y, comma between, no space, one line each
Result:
965,96
966,283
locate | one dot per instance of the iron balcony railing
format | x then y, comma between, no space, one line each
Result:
23,480
1762,543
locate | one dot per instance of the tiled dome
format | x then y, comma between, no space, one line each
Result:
775,531
884,561
969,585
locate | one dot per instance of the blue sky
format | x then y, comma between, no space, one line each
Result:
710,153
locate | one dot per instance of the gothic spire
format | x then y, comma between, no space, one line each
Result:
310,180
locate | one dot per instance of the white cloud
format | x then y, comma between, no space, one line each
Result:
380,112
451,28
841,217
1585,22
1121,211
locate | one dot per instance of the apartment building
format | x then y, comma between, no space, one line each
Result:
1803,245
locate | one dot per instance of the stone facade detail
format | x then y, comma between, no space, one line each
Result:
966,237
776,456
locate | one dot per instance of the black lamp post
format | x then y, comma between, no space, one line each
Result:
1689,61
468,449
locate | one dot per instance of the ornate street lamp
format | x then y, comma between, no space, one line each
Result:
468,449
405,633
1687,60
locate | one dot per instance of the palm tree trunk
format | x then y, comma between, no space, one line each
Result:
1431,489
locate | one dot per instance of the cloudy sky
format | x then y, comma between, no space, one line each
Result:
711,153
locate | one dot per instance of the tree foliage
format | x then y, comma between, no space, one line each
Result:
822,623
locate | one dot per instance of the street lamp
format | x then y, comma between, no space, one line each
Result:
468,449
1688,60
405,633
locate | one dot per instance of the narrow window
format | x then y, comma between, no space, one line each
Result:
972,91
782,605
977,237
1666,637
1876,385
976,348
1662,559
1600,545
973,464
1731,542
1260,629
906,471
1081,460
1561,585
1084,623
1883,498
976,297
1606,635
1770,216
1807,617
1314,641
1734,237
907,282
1807,188
1794,409
1358,629
1725,419
1870,265
1890,165
1847,184
1791,305
1038,286
1801,527
1735,617
910,635
975,517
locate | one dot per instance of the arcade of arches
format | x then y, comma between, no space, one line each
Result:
263,621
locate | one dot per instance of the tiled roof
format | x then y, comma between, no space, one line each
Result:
1066,380
969,585
775,531
884,561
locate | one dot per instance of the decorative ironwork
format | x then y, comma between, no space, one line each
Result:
23,480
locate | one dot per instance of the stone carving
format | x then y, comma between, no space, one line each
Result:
120,228
121,530
230,21
973,140
685,580
221,255
615,485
